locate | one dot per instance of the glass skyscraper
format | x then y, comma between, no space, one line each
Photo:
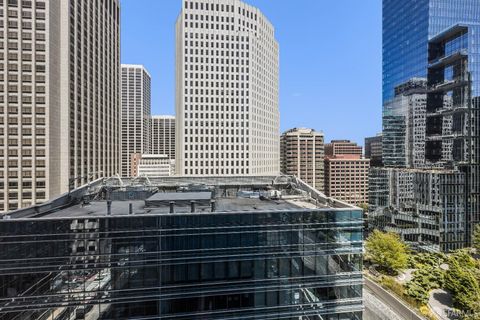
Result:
407,27
436,40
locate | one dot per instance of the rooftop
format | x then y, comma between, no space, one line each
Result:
298,131
163,117
183,195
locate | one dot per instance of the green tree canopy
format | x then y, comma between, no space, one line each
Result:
476,238
387,250
461,281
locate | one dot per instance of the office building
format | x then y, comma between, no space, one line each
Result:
152,165
425,207
407,27
302,155
184,248
346,172
136,131
374,150
163,135
227,90
434,40
59,97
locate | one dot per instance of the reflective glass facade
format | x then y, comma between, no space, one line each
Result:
439,40
238,265
407,27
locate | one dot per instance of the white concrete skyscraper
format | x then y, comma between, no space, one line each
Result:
227,82
59,97
136,110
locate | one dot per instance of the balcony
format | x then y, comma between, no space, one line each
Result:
460,108
447,85
443,61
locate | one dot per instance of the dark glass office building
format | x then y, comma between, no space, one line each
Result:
236,248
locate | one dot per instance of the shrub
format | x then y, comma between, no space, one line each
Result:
392,285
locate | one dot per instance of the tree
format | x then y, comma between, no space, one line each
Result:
460,280
476,238
387,250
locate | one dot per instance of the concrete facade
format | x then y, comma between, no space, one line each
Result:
152,165
59,97
136,109
163,135
227,90
302,155
346,172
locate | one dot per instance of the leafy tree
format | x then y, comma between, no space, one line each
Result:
417,292
387,250
425,279
460,280
476,238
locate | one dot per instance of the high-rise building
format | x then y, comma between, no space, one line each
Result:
435,40
136,109
227,83
163,135
346,172
407,27
374,150
184,248
302,155
59,98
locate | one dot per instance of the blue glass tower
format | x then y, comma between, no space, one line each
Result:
407,27
439,40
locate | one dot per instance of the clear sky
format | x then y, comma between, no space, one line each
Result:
330,60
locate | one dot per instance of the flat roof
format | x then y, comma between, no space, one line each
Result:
180,196
230,194
223,205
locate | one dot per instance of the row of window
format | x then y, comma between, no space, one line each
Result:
24,3
24,174
193,5
222,171
25,195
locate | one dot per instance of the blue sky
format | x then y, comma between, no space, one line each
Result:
330,60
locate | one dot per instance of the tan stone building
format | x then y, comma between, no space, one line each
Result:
302,155
346,172
342,147
59,97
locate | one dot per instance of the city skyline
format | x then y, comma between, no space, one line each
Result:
322,160
305,88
